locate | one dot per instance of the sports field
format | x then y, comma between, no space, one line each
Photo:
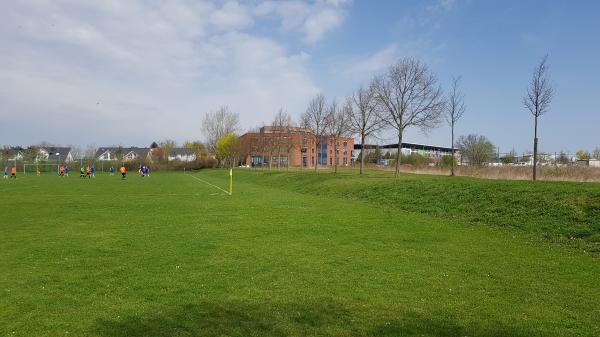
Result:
293,254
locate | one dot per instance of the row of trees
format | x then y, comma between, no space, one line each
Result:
408,95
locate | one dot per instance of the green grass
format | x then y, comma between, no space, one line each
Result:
298,255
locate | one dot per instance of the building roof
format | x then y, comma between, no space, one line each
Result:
283,129
139,151
57,152
405,146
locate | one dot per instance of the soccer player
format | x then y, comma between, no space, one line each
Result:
82,175
112,170
67,170
88,172
93,171
123,171
5,176
61,171
13,172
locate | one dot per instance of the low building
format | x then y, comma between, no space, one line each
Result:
588,162
294,147
121,153
429,151
182,154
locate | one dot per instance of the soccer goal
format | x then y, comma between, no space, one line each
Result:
42,168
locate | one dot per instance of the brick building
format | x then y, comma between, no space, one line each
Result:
282,146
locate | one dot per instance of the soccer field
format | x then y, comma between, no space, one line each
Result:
171,255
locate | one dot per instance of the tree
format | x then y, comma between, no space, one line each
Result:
166,146
362,118
583,155
315,119
337,127
563,159
408,95
477,149
537,101
228,149
198,147
596,153
509,158
455,108
218,124
282,121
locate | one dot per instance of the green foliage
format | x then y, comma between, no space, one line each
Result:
447,161
414,159
476,149
228,149
583,155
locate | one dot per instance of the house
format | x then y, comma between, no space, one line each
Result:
182,154
121,153
12,153
588,162
294,147
54,154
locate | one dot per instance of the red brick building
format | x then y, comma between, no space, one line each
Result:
282,146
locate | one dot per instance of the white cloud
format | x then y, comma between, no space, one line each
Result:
131,71
442,5
312,20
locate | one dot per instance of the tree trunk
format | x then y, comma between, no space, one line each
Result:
398,155
335,156
452,169
362,152
317,156
535,149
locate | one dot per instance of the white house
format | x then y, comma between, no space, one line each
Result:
54,154
121,153
182,154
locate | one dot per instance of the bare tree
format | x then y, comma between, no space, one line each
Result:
337,127
408,95
455,108
362,118
537,101
283,119
315,119
218,124
166,147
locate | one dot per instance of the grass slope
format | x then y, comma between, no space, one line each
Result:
558,212
171,256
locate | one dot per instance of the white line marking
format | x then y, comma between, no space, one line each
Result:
206,182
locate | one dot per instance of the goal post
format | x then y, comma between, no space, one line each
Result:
43,168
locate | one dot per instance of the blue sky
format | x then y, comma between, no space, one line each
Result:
115,72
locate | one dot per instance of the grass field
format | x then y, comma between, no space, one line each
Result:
293,254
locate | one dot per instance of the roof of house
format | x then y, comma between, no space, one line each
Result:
57,152
181,151
139,151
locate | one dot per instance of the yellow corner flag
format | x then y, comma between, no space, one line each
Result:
230,181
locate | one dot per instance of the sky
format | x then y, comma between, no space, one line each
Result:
131,72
